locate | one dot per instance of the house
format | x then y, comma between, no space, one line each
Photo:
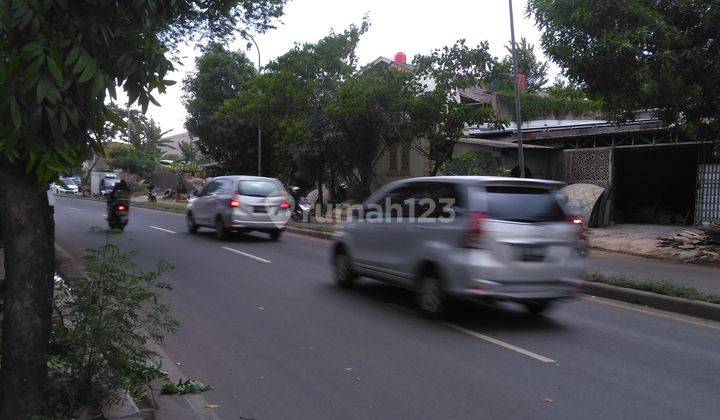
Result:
170,145
651,173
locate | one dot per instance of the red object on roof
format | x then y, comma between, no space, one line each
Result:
400,57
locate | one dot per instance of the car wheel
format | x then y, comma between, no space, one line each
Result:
430,297
537,308
344,274
221,231
192,227
275,234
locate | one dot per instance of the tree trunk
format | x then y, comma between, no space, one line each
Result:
29,238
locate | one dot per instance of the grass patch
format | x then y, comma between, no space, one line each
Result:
659,287
312,226
178,207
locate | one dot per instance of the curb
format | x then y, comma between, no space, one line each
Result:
683,306
309,232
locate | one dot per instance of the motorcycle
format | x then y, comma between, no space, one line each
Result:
118,214
301,213
152,195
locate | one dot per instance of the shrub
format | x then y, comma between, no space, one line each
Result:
100,348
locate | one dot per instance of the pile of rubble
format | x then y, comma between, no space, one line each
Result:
698,244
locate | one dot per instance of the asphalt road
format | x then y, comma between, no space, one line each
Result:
265,325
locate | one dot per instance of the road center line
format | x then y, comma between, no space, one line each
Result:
164,230
74,208
484,337
246,254
499,343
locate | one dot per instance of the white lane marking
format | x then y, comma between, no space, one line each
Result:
656,312
499,343
164,230
255,257
485,337
74,208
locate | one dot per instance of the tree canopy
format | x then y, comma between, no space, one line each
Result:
534,69
220,75
640,54
59,62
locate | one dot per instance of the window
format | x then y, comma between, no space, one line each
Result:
431,200
405,160
523,204
392,161
210,188
434,200
260,188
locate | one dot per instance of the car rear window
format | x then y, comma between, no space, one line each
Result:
523,204
259,188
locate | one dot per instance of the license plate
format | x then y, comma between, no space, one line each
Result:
260,209
531,253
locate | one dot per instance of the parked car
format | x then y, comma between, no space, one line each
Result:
66,185
240,203
476,238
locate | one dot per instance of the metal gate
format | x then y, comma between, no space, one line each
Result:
707,200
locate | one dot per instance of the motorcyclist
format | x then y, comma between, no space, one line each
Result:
295,194
120,190
151,192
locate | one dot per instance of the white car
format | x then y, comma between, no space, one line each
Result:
69,187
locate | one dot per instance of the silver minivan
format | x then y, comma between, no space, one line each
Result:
477,238
240,203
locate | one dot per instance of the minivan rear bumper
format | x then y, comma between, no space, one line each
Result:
479,289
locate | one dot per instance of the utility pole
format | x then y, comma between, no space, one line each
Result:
516,77
259,132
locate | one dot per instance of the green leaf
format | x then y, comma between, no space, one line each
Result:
33,69
80,63
54,70
72,114
31,50
89,71
98,85
72,56
15,113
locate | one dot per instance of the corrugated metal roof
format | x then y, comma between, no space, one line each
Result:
500,144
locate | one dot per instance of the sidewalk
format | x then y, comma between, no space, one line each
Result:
643,240
701,277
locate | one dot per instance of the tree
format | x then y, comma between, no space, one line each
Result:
637,54
439,118
189,152
535,70
220,75
293,94
144,138
370,114
473,163
58,61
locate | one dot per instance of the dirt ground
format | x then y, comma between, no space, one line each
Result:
641,239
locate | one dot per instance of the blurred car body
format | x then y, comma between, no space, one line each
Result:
508,239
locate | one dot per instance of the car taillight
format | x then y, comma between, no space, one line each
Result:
474,237
284,205
234,202
579,223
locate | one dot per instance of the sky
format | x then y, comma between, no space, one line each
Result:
410,26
